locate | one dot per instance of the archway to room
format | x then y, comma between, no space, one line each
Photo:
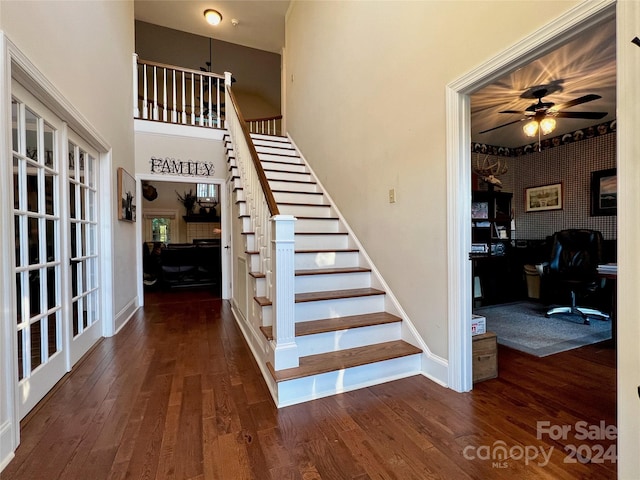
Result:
546,40
183,237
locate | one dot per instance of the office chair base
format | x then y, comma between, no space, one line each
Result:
584,312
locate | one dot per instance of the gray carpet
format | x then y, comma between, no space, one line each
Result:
524,327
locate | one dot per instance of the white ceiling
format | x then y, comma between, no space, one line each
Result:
585,65
260,22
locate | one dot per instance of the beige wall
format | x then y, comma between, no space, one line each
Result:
257,72
366,104
84,49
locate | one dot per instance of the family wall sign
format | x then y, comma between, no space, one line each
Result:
173,166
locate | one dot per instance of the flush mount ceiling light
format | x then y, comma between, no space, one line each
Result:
212,16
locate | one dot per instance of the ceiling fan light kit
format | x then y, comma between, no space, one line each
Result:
542,115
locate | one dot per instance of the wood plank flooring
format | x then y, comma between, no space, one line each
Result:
177,395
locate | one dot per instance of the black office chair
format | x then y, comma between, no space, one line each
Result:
575,256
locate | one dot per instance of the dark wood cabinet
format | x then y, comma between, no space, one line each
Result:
491,221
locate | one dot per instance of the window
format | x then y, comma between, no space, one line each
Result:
160,225
161,230
207,192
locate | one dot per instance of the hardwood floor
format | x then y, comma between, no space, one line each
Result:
177,395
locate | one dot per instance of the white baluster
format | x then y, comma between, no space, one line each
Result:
184,101
201,101
155,93
164,95
174,116
209,118
218,117
193,99
136,109
145,108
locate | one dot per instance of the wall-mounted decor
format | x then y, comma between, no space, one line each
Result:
126,196
546,197
604,192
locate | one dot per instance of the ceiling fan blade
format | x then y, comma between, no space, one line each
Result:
500,126
587,115
572,103
519,112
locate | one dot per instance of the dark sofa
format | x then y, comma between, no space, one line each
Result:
183,264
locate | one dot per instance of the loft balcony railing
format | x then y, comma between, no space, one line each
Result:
177,95
170,94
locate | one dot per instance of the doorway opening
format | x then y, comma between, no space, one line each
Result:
549,38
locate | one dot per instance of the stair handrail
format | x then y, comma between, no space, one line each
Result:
273,234
262,177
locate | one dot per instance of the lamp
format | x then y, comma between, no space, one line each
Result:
530,128
546,126
212,16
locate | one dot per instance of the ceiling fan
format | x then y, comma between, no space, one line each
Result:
543,114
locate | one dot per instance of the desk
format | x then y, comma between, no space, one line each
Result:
613,277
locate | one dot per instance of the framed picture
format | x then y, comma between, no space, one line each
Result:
604,192
126,196
546,197
480,210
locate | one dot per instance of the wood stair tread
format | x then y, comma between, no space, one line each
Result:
321,233
326,295
336,324
328,271
343,359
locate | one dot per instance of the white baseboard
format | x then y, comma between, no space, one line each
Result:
125,314
7,446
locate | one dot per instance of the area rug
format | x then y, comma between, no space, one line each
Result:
524,327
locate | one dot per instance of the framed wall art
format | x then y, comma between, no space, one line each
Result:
546,197
126,196
604,192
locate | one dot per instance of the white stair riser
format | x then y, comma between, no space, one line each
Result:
286,160
335,281
331,383
254,262
304,261
249,241
304,177
234,172
246,224
239,195
305,210
259,286
294,186
299,197
317,225
259,142
344,339
338,308
324,242
284,167
282,152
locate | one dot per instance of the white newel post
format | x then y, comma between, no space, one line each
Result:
136,110
284,334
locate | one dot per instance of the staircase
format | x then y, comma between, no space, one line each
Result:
348,333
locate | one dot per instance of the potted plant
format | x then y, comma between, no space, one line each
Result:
188,200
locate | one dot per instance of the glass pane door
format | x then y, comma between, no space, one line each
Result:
83,252
38,254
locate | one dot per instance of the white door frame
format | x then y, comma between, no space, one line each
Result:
14,64
558,32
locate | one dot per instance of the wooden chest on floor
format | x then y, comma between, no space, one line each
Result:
485,356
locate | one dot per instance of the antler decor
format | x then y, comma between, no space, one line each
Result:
489,169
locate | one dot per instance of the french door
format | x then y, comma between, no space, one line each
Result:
56,255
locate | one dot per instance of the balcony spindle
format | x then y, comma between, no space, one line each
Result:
155,93
164,95
174,116
184,100
145,108
193,99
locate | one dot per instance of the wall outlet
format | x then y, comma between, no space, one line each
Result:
392,195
